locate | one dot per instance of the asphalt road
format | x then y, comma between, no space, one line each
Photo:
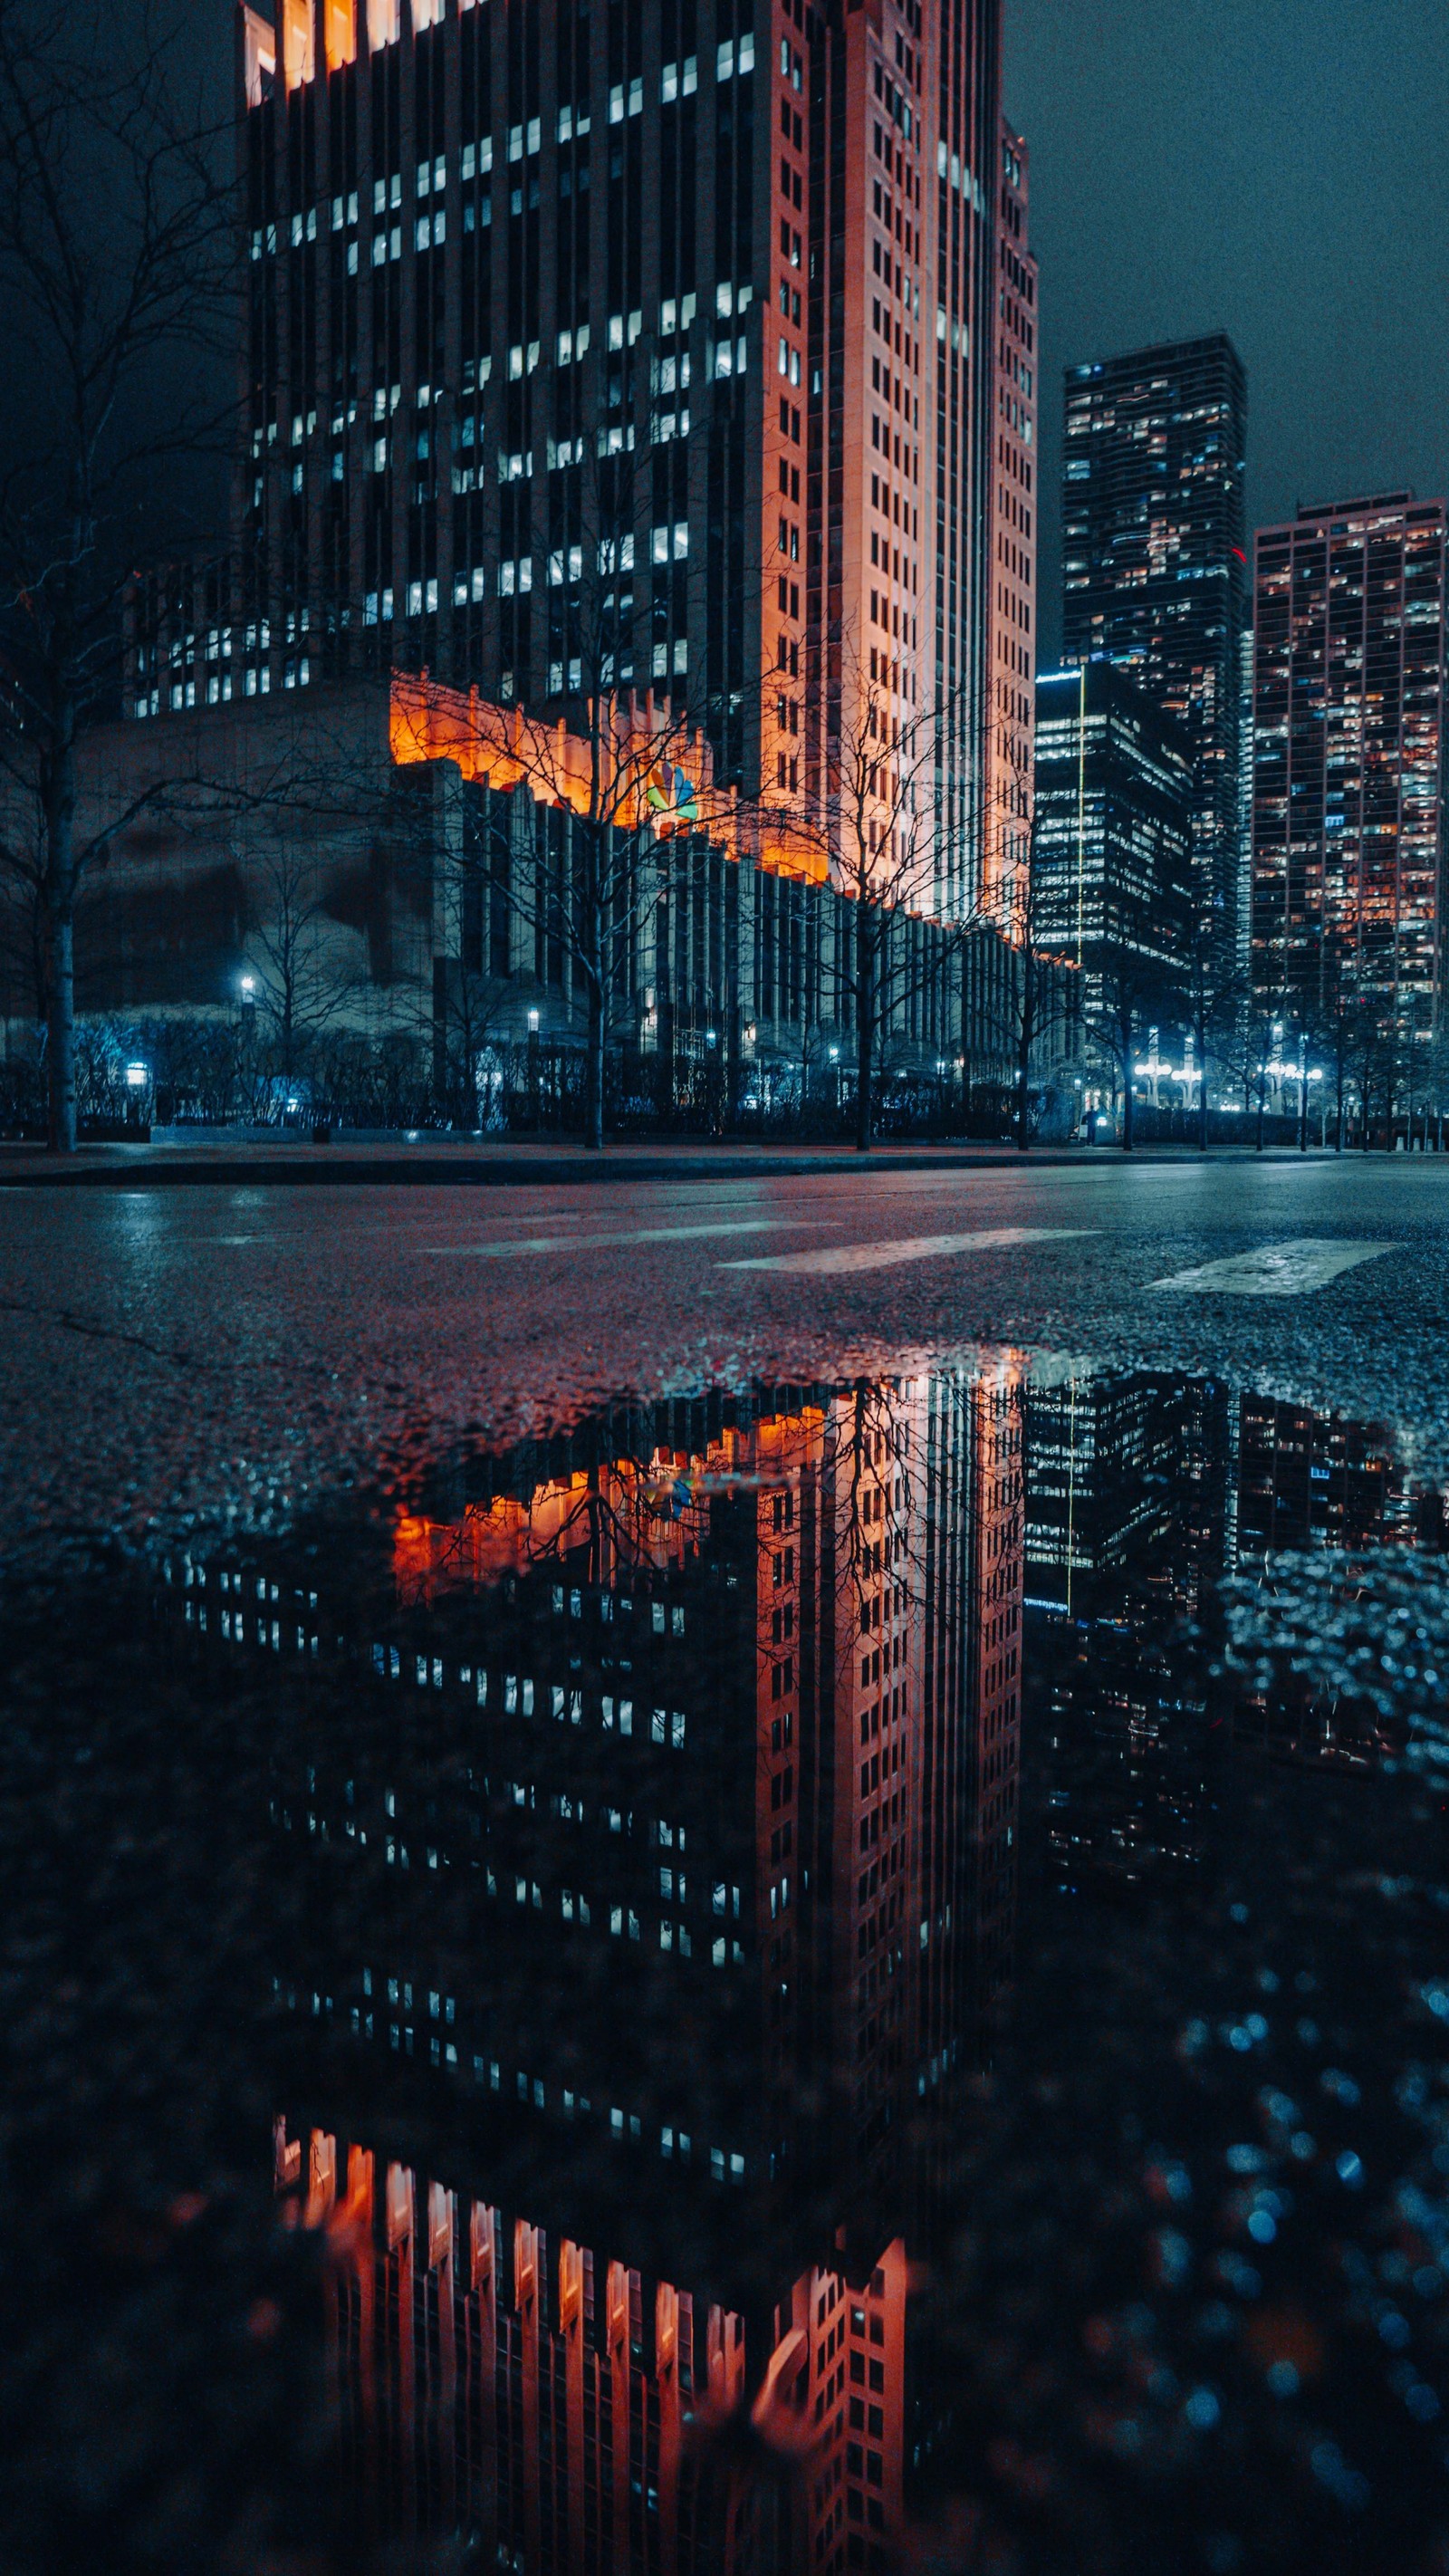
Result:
219,1349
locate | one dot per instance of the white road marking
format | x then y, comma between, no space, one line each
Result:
1278,1269
582,1243
840,1257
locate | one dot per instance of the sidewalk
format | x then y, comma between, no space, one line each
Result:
215,1161
501,1163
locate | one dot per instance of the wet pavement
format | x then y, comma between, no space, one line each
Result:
728,1875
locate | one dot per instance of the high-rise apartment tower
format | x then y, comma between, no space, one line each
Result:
1154,565
638,348
1348,813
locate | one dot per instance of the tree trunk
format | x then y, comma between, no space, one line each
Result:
58,801
1023,1060
594,1073
60,1031
865,1040
1127,1138
594,962
1202,1090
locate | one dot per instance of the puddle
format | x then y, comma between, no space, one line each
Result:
853,1977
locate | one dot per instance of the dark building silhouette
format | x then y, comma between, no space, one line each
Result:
1154,567
1348,814
1114,826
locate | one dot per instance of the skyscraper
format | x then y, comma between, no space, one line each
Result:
1348,817
1114,805
1011,648
1155,566
646,349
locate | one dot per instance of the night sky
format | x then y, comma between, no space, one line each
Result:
1278,169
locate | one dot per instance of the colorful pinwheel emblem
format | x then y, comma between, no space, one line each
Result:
672,798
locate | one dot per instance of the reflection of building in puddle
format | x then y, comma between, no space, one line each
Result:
662,1796
1314,1482
1127,1525
1142,1493
562,2409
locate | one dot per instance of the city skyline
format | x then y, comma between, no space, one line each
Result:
1225,164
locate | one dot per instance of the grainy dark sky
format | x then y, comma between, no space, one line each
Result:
1278,169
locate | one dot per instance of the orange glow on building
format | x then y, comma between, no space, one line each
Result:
647,780
299,60
340,33
630,1512
487,2378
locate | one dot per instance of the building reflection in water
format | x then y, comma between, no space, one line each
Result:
1308,1483
1128,1527
657,1802
1145,1493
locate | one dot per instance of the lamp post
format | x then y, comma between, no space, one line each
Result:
534,1084
1302,1091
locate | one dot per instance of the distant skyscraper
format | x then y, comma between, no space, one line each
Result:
1155,564
1011,649
1349,709
1114,808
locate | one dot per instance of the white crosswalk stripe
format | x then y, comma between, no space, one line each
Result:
837,1258
1289,1269
580,1244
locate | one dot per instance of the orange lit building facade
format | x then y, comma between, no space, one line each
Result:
646,350
562,2410
1011,650
800,1852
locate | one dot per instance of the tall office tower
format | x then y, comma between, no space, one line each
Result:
1155,567
1114,827
1012,630
1348,818
640,350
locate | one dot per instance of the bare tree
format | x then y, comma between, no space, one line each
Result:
301,988
877,829
1033,961
1129,986
115,250
1211,992
619,758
